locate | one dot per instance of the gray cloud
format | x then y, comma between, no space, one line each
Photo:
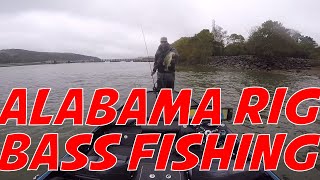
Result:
112,28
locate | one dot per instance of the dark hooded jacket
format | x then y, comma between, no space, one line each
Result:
163,50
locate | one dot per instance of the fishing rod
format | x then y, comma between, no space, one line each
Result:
145,43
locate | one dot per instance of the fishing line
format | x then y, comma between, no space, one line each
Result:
145,43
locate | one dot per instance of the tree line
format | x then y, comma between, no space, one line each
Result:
270,39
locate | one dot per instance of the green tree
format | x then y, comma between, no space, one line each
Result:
235,38
236,45
235,49
197,49
315,54
184,47
307,46
272,39
219,38
295,35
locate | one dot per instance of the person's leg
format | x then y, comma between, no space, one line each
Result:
160,83
173,79
170,80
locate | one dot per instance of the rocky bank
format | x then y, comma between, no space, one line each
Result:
258,63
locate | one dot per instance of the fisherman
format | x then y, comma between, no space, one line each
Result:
164,62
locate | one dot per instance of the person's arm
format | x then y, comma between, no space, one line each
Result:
156,61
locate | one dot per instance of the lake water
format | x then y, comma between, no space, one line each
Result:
124,76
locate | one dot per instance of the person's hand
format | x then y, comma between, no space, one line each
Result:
152,73
175,56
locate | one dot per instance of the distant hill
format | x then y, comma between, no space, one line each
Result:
25,56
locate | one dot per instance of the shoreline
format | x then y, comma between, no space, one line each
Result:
241,63
263,63
36,63
254,63
313,71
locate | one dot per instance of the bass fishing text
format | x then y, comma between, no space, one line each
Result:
167,109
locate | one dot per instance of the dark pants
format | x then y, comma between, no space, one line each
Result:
165,80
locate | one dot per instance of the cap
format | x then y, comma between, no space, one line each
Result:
164,39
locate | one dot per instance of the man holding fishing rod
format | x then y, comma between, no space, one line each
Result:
165,60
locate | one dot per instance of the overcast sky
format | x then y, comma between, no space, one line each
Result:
111,29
